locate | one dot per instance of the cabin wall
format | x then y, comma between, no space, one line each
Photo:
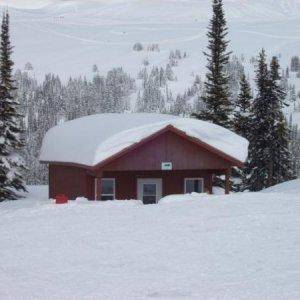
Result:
72,181
188,159
168,147
173,181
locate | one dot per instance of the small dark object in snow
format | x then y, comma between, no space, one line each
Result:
61,199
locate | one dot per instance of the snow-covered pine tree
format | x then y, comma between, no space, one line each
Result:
295,147
281,166
260,130
28,67
11,143
95,69
241,125
295,64
180,107
234,70
169,73
217,108
271,160
241,121
152,99
292,95
287,72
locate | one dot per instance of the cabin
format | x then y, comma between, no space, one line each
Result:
138,156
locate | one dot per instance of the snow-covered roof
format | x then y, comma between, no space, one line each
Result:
92,139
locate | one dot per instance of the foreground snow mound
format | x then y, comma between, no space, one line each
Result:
182,198
104,135
289,187
241,246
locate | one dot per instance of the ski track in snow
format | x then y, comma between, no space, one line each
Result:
270,35
162,42
37,27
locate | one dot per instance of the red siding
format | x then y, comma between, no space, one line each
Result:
173,181
71,181
189,160
168,147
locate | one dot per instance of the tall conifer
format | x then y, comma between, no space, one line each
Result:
270,159
241,121
261,125
217,106
242,126
11,164
281,167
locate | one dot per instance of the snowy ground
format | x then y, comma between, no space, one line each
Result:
242,246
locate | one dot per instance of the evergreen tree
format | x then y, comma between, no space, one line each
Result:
11,164
95,69
295,64
217,108
180,107
241,122
260,134
271,161
28,67
235,70
281,166
169,73
295,147
241,125
152,99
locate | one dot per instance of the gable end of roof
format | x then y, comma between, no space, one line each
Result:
179,132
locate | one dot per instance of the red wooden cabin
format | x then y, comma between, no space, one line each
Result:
147,156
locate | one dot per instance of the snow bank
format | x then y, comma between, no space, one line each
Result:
240,246
289,187
91,140
182,198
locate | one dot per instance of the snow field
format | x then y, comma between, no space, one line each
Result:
241,246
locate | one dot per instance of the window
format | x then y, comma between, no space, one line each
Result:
149,193
193,185
108,189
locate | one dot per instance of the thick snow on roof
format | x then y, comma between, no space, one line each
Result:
90,140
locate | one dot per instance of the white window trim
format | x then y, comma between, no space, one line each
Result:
114,185
159,184
194,178
96,189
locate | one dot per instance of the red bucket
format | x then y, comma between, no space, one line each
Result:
61,199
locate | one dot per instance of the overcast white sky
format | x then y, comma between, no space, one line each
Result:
25,3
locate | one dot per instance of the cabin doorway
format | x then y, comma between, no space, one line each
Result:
149,190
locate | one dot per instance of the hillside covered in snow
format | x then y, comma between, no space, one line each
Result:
241,246
68,37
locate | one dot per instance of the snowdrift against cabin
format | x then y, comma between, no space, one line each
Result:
93,139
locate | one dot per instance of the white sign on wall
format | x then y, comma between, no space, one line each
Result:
166,166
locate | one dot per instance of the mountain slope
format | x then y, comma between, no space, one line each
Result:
68,37
177,10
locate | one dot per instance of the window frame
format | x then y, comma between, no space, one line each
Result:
114,187
194,178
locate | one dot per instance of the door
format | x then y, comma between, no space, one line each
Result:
149,190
